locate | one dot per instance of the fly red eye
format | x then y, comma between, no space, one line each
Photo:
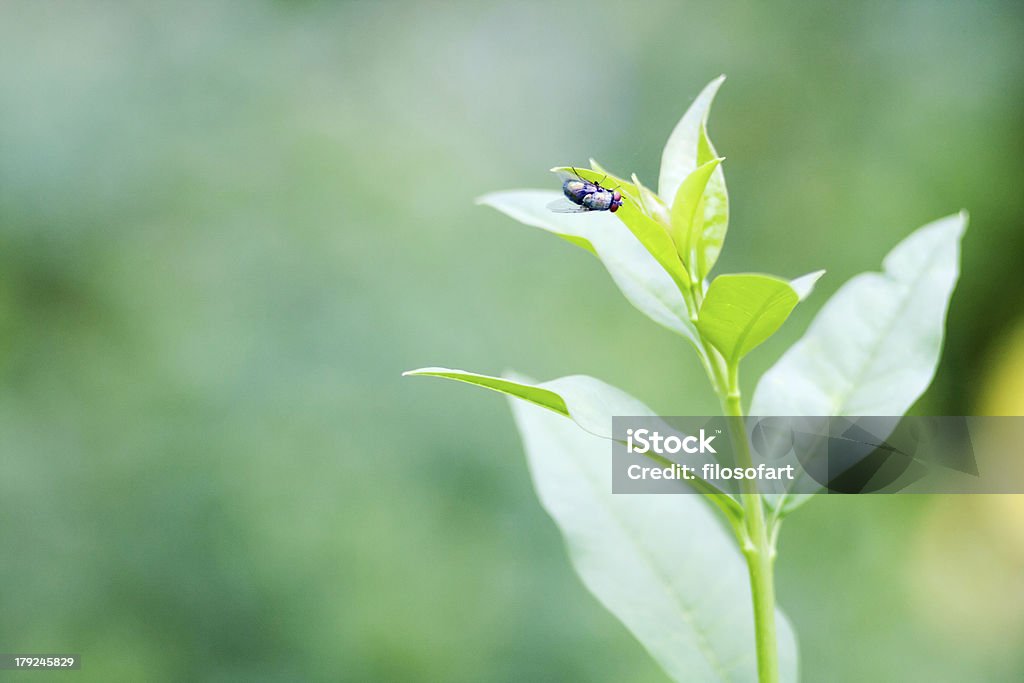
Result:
614,207
616,196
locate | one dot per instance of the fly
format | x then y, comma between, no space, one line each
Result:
585,195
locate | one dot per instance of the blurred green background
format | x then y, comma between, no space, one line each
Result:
227,227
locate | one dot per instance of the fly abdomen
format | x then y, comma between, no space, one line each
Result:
598,201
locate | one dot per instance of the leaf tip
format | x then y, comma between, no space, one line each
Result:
955,223
486,200
712,90
804,285
420,372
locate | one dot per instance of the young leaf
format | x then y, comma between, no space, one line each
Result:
716,208
679,158
645,283
874,347
656,239
651,203
742,311
688,216
578,397
664,565
541,397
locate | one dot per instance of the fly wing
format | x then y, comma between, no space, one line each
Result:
565,206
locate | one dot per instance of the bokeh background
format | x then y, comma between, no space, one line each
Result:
227,227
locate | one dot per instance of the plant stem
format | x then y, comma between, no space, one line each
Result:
757,546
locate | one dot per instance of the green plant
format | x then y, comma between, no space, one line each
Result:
664,565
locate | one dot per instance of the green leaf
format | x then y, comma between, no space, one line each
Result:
646,284
679,158
742,311
582,405
716,208
541,397
689,147
875,345
651,203
663,564
577,397
688,217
